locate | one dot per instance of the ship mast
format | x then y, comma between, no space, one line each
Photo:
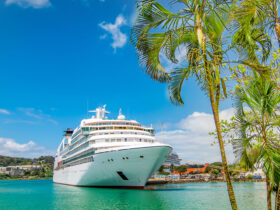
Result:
100,112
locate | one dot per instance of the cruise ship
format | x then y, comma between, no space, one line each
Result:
104,152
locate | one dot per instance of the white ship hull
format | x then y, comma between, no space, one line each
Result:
128,168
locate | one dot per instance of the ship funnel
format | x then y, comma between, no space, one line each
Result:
68,132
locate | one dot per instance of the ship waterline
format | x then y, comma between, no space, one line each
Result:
108,153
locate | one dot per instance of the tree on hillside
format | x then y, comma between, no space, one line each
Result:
207,169
181,169
217,164
199,27
215,171
161,169
171,167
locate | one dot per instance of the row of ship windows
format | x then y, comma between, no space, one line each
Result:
129,140
110,128
114,128
99,134
85,154
111,140
76,134
77,140
115,123
78,148
78,162
111,133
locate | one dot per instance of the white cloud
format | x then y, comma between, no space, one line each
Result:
119,38
191,139
203,122
4,111
37,114
30,3
30,112
9,147
197,122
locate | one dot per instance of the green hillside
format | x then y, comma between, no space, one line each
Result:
13,161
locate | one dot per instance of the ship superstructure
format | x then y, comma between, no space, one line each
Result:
104,152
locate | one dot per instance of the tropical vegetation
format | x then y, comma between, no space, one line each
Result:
45,169
223,41
199,26
254,130
181,169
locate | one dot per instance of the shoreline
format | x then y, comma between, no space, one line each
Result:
184,181
160,181
25,179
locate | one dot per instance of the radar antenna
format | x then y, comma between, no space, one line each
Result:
121,116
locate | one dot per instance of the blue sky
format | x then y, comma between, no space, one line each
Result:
58,56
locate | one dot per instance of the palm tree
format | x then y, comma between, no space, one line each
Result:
253,23
257,121
261,13
255,20
198,26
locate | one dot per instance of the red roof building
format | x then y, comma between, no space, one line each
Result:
200,170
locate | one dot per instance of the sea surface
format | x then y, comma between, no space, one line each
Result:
44,194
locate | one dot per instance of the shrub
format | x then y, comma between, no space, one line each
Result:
249,177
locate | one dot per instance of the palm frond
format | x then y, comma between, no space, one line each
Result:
250,29
149,45
175,86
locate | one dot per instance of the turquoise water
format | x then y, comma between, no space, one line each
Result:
44,194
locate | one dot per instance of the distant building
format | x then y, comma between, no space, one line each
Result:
200,170
172,159
18,170
189,170
258,172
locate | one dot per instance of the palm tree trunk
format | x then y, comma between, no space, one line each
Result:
215,110
268,183
223,155
277,206
268,194
277,28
